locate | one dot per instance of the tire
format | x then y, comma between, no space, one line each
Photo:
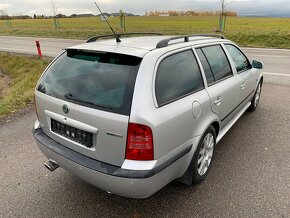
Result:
255,100
202,159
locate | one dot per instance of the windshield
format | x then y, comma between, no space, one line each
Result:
94,79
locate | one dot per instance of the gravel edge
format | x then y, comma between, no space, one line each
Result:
17,114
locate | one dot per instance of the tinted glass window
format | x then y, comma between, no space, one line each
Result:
100,80
208,73
218,61
241,62
178,75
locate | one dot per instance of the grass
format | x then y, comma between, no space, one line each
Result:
23,72
251,32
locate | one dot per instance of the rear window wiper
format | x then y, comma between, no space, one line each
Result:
71,97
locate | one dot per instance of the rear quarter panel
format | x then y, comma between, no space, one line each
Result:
173,125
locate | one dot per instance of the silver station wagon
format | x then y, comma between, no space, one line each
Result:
131,115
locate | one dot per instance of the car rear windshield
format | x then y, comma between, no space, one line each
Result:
98,80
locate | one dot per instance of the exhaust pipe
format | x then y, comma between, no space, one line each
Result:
51,165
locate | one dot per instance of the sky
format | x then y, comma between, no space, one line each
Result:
68,7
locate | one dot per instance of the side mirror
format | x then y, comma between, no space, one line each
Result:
257,64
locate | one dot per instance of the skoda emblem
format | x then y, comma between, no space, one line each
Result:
65,109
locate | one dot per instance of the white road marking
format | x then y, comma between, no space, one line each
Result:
267,49
276,74
268,56
15,49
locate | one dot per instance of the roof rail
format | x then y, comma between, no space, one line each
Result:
95,38
164,43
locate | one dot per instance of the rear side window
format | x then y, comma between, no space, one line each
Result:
178,75
218,62
99,80
208,73
241,62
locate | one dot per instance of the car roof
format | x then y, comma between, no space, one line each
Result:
140,46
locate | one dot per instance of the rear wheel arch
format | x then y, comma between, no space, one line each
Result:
216,126
189,178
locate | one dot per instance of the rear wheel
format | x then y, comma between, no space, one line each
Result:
256,98
203,156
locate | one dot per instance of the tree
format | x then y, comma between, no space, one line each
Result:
6,17
55,12
122,20
34,16
223,4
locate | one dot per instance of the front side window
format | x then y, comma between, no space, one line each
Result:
99,80
240,60
218,62
178,75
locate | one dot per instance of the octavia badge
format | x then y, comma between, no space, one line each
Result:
65,109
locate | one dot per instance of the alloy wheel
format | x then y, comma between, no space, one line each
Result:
205,154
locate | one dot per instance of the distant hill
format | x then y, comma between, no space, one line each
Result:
117,14
105,14
126,14
2,17
81,15
266,15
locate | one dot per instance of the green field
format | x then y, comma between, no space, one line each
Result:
252,32
22,73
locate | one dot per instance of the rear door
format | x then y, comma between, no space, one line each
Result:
223,86
183,103
84,100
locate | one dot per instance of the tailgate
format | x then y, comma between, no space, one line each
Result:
108,130
83,101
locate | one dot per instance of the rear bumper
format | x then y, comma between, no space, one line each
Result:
128,183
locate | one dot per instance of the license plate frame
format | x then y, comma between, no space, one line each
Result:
77,135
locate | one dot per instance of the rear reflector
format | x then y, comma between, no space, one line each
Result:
139,142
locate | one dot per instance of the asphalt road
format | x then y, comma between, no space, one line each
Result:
250,176
26,45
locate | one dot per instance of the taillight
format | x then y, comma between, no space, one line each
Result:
139,142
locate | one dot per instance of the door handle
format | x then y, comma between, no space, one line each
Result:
243,86
218,101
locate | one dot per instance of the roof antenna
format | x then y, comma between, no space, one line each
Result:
116,35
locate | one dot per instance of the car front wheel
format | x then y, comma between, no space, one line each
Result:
256,98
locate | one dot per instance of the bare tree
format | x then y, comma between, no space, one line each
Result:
5,16
223,4
54,12
2,12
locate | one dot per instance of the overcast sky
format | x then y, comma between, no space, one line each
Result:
243,7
